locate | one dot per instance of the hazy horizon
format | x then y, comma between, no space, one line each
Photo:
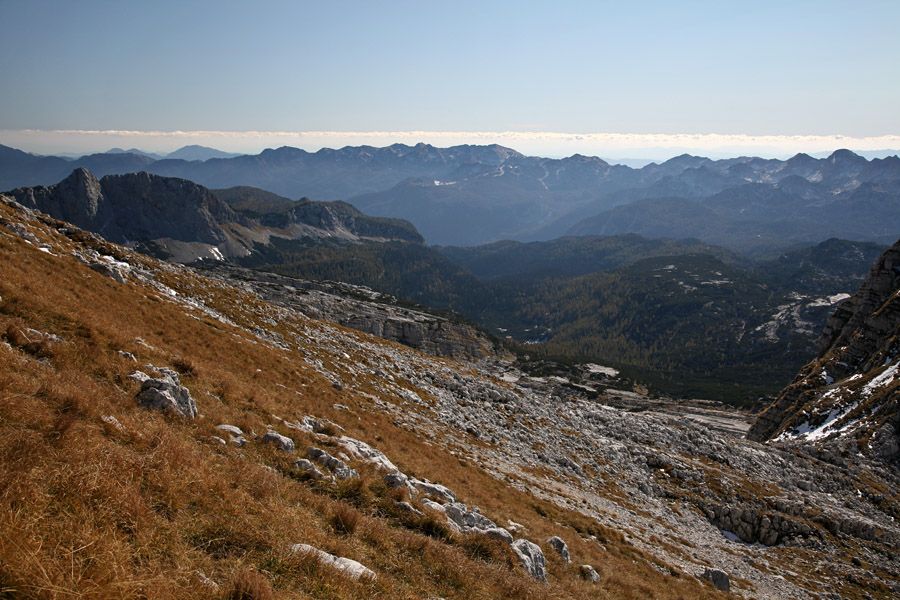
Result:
635,147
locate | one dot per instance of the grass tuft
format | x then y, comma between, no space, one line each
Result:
249,584
344,519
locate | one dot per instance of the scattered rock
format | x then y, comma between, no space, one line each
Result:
335,465
305,466
113,422
218,440
233,430
514,527
435,490
21,231
349,567
115,271
127,355
531,557
166,394
282,442
499,533
368,454
718,578
406,507
561,548
590,573
467,519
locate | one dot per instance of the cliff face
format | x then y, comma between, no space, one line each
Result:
850,392
179,220
135,206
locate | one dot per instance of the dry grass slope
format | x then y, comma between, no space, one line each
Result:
148,505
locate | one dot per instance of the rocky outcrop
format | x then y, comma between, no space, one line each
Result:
166,394
849,391
365,310
134,207
283,443
335,465
718,578
531,557
561,548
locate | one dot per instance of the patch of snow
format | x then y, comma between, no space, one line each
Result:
600,369
828,300
216,253
882,380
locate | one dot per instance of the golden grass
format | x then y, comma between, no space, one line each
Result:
138,507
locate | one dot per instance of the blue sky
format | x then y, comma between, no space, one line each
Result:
799,71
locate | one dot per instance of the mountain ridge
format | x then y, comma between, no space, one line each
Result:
178,219
443,191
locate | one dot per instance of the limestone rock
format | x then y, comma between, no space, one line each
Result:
467,519
335,465
166,394
718,578
499,533
435,490
305,466
561,548
590,573
232,429
350,567
368,454
282,442
531,557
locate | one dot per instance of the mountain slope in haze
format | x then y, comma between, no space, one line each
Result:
804,201
195,152
471,195
666,503
847,398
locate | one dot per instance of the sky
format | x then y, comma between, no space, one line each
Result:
652,78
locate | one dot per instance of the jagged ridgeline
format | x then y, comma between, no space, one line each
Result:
170,432
473,195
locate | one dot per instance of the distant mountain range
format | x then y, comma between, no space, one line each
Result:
472,195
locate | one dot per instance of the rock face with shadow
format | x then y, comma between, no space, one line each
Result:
847,398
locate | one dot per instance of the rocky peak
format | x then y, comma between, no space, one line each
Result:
78,199
849,393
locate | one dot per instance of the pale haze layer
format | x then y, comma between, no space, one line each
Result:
768,78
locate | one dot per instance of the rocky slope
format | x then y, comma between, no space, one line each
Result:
180,220
688,497
363,309
847,398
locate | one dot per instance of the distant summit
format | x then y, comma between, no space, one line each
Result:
152,155
194,152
